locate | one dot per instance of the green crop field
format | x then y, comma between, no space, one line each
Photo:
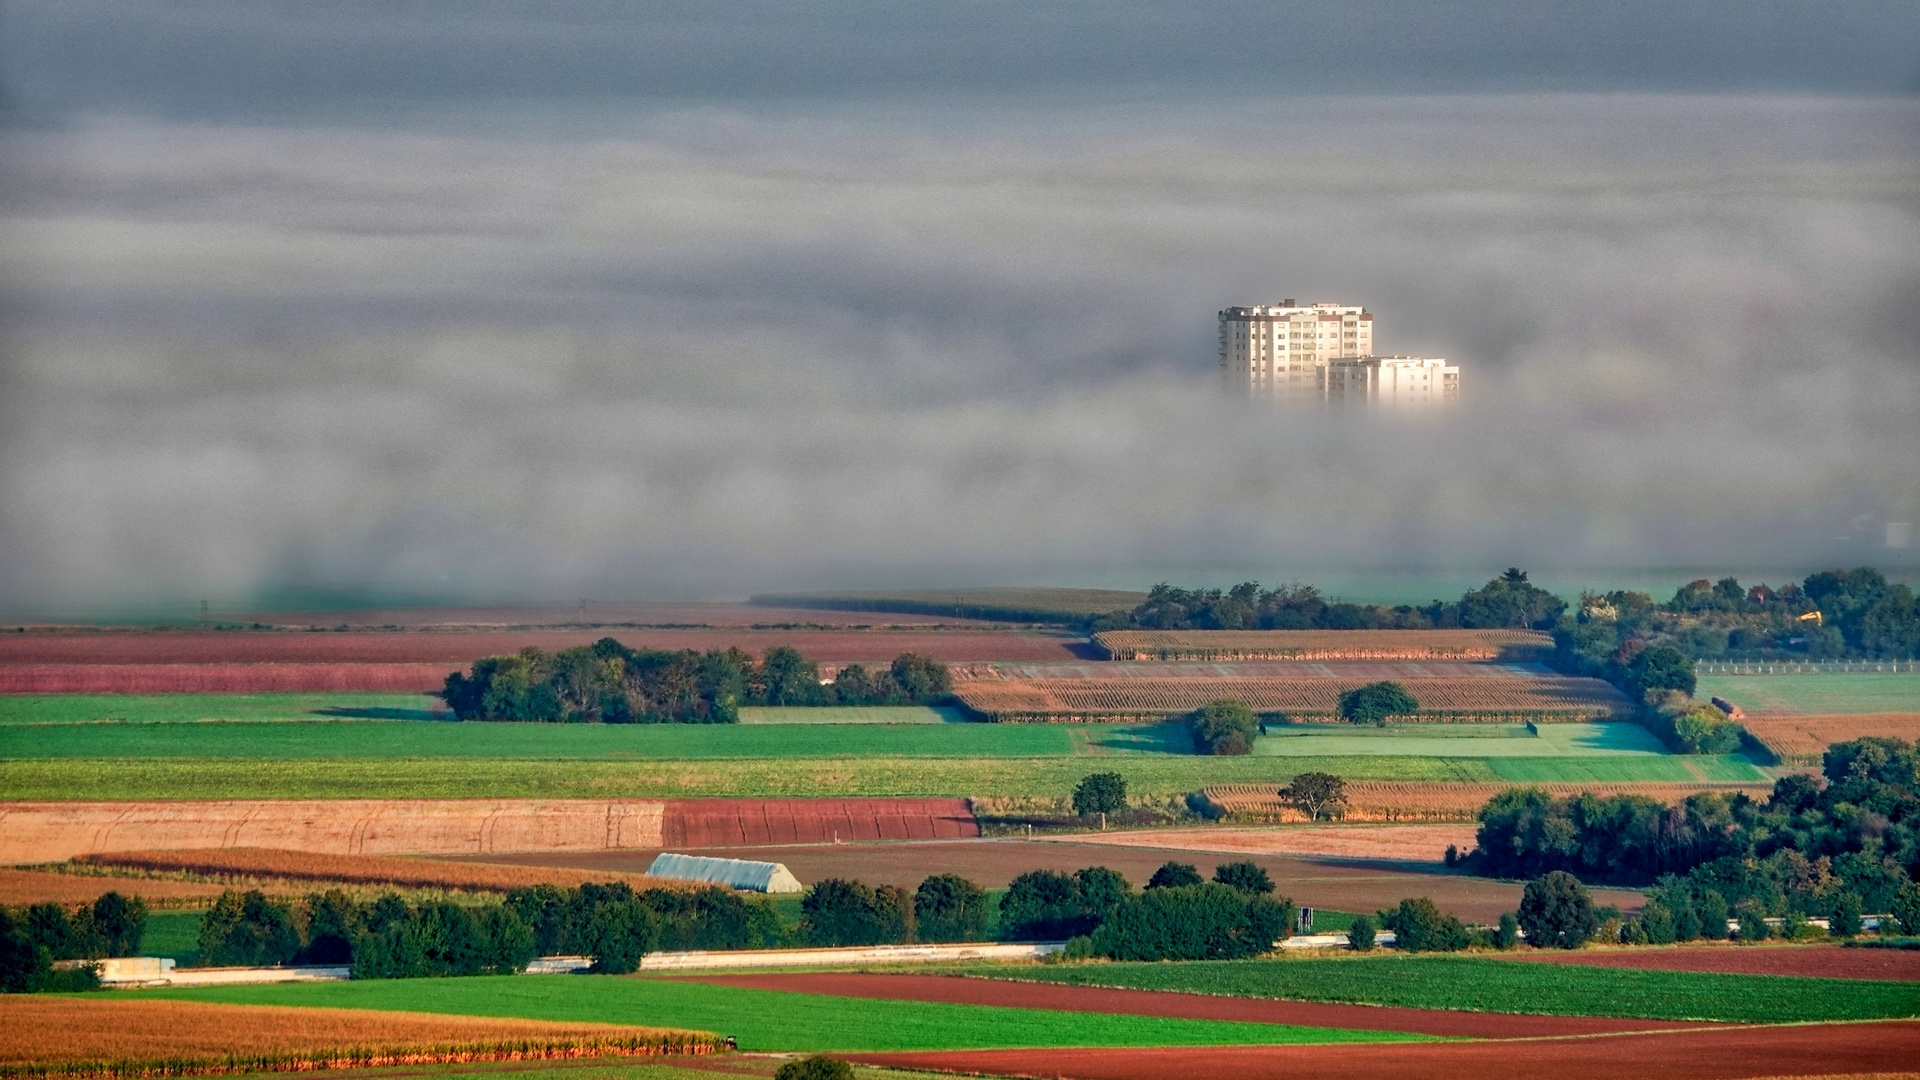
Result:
1837,692
201,708
1727,768
771,1019
851,714
1492,984
1461,740
173,934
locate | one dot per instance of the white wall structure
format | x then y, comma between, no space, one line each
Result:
1392,382
1279,352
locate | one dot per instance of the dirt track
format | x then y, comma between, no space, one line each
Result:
1818,961
1027,995
1702,1054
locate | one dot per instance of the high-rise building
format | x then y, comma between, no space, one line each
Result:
1391,382
1279,352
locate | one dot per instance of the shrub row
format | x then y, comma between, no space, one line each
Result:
33,937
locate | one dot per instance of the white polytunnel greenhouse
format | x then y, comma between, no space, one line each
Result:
767,877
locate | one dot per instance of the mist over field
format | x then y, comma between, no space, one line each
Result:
474,309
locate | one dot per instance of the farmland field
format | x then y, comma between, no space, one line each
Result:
198,708
1475,740
1801,740
774,1020
1540,696
267,863
1816,694
1497,985
1148,775
1322,644
851,714
1421,800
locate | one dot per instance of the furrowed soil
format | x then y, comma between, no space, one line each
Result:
1801,740
1322,644
1419,800
44,1029
1415,843
19,887
1815,961
1333,884
273,865
981,991
1706,1054
1458,697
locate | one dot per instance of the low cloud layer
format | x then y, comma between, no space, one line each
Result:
706,351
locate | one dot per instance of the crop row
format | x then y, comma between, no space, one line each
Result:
1323,644
1417,801
1137,698
1801,740
274,864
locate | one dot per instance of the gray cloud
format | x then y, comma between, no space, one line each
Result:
715,350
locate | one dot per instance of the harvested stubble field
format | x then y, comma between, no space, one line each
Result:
1822,694
1323,644
1815,960
268,864
1420,843
1460,699
1705,1054
45,1030
17,710
769,1020
1802,740
218,678
19,887
1414,800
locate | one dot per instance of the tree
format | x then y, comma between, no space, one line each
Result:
948,907
1172,875
1100,793
1360,934
1246,877
1316,794
1418,925
1556,909
837,911
1713,916
1753,921
118,924
1508,934
247,931
1224,728
1844,921
1193,922
1375,702
921,678
619,935
815,1068
787,678
1510,600
1656,670
23,967
1042,905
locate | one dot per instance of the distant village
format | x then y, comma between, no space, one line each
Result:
1322,354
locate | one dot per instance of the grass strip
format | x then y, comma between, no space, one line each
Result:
1485,984
17,709
72,779
773,1020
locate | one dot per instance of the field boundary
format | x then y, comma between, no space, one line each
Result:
1418,801
1231,645
1804,667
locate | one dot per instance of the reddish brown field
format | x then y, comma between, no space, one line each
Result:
1130,698
608,618
1699,1054
1322,644
1815,961
1422,800
1028,995
220,678
737,822
1335,884
1802,739
19,887
43,1030
1418,843
266,864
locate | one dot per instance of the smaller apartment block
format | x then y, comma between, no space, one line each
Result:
1392,382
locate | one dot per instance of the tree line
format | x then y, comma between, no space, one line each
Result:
34,937
1836,845
607,682
1506,601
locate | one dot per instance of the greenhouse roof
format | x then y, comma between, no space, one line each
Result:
768,877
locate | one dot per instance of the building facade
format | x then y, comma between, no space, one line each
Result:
1391,382
1279,352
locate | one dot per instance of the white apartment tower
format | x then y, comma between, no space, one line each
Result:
1279,352
1392,382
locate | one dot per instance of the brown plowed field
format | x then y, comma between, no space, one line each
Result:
741,822
1411,843
1323,644
1700,1054
597,618
1354,672
220,678
1334,884
19,887
1815,961
1803,739
42,1030
1422,800
269,864
460,648
1492,698
50,832
953,989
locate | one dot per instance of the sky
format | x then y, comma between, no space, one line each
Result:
513,301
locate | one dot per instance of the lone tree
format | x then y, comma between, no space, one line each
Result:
1374,702
1173,875
1224,728
1101,793
1246,877
1316,793
1556,909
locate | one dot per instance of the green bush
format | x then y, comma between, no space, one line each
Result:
1713,916
1753,922
1224,728
247,931
1173,875
1100,793
1906,909
1557,910
948,907
1419,926
1193,922
839,912
1657,922
1508,935
1042,905
1844,919
1360,934
1246,877
1376,702
815,1068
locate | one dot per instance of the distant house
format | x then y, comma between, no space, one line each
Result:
766,877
